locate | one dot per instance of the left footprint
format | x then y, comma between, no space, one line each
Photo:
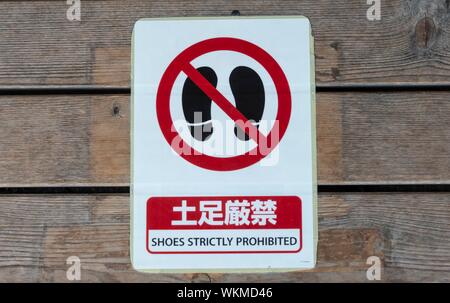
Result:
197,105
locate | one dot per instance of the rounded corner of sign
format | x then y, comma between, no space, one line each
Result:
304,18
135,266
138,24
307,20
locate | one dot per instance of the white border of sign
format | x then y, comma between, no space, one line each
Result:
288,39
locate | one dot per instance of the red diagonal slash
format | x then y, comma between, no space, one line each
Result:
217,97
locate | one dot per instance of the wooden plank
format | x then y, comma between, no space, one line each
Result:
40,47
408,232
54,140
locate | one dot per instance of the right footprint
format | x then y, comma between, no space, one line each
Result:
248,92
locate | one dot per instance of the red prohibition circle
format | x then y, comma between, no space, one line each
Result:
183,60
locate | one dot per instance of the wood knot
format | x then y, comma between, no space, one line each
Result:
201,278
425,32
116,110
235,13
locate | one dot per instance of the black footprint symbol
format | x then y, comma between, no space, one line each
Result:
197,105
248,92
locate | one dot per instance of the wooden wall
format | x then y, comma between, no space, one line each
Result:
383,107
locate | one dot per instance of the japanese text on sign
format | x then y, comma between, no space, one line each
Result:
235,212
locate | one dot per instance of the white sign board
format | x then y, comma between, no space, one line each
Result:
223,145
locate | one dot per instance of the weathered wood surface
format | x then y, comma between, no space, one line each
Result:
374,138
408,232
363,138
40,47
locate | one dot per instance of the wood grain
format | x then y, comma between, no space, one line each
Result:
408,232
373,138
39,47
363,138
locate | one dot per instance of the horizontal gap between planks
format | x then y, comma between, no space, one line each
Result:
329,188
102,90
371,188
64,90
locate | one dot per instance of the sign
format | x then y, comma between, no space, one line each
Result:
224,225
223,145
